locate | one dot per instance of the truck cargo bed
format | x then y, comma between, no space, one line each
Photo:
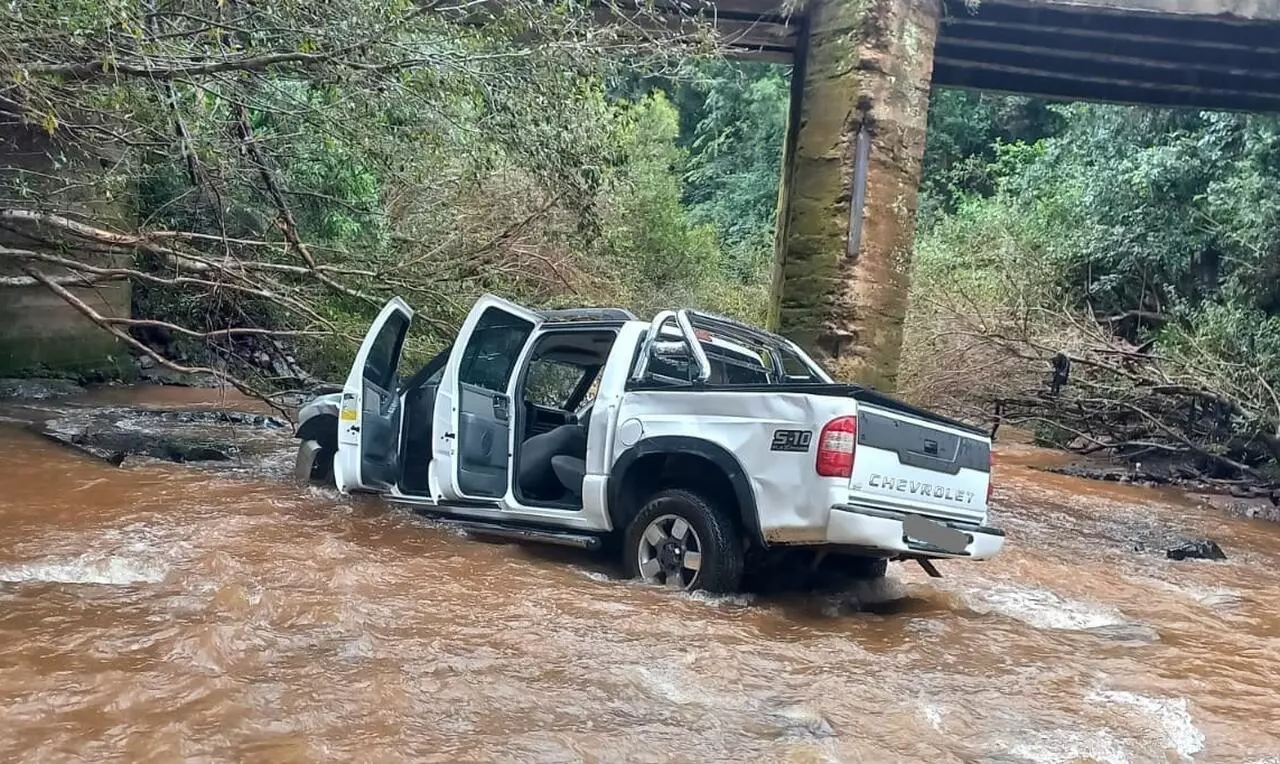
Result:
861,394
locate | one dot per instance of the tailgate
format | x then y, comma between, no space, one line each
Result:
909,463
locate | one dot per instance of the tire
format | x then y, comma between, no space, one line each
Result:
663,556
321,472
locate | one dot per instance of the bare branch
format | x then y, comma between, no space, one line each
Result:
107,325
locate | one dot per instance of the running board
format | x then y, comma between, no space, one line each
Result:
561,538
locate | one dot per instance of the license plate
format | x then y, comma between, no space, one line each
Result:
935,534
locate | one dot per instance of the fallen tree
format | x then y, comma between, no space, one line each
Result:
1128,253
1173,411
267,175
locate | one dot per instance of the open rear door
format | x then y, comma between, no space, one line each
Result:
473,408
369,419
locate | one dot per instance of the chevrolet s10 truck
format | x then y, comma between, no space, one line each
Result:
697,446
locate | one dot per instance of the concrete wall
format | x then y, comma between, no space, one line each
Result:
40,333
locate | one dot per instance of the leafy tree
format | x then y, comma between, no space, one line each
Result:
732,118
1144,244
965,130
270,173
736,156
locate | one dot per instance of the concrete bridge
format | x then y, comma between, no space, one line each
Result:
862,74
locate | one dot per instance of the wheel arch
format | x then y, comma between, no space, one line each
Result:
668,461
322,427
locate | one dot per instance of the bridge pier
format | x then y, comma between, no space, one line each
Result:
851,169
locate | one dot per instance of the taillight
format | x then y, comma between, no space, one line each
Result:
991,476
835,447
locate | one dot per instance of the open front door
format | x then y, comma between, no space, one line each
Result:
369,419
473,409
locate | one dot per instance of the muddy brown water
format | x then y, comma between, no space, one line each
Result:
158,612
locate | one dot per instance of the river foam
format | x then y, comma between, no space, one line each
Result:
1171,716
1041,608
109,570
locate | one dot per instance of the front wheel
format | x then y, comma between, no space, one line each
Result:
314,463
681,540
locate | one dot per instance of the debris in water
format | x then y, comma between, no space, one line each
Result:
1198,549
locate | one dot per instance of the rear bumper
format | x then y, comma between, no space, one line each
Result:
883,530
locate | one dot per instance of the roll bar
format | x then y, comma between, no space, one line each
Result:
685,327
727,328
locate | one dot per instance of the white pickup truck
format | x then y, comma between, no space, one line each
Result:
703,446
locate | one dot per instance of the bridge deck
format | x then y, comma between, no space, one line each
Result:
1210,54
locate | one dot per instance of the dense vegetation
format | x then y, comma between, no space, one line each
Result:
268,174
1141,245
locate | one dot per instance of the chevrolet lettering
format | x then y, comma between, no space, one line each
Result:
904,485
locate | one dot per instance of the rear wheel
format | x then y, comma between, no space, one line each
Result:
681,540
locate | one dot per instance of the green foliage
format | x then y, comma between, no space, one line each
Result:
732,120
966,132
1126,209
1235,346
1102,226
736,160
291,165
652,244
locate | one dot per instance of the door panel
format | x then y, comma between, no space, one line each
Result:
482,441
380,436
473,453
369,421
484,411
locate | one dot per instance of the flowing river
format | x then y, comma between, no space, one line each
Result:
162,612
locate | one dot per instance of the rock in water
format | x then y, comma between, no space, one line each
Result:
115,446
37,389
1199,549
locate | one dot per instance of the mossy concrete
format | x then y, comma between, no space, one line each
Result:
40,333
40,337
864,62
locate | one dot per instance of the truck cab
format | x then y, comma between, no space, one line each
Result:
698,442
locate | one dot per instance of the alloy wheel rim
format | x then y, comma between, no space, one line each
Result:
670,552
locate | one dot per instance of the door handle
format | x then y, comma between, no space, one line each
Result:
500,408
